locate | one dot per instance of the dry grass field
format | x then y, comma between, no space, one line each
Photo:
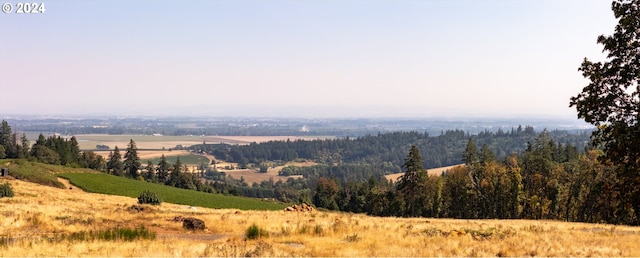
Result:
253,175
31,220
431,172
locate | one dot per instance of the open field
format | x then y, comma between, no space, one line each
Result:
89,141
109,184
431,172
37,213
254,176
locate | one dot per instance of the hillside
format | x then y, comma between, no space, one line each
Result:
37,216
93,181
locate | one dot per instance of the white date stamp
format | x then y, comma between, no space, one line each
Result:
23,8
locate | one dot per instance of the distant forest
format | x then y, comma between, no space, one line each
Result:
517,174
387,150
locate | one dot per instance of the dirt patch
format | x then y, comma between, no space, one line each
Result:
202,237
69,186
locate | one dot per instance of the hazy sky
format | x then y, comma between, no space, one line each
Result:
279,58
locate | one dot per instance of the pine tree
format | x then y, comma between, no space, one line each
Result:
470,154
163,170
132,161
411,184
6,140
115,165
150,172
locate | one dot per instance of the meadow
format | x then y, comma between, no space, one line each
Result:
37,216
114,185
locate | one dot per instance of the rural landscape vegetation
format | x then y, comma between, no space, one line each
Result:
167,186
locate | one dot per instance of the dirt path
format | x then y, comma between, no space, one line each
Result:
195,236
69,186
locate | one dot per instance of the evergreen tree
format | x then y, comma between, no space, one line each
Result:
150,172
132,161
6,140
74,150
163,170
115,165
470,154
25,146
176,174
486,155
42,153
411,184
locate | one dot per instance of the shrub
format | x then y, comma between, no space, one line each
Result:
111,234
6,190
148,197
254,232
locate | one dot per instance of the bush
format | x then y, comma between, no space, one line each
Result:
148,197
254,232
6,190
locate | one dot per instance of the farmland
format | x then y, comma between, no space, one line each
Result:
109,184
160,142
37,213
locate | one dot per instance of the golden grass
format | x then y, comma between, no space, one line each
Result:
432,172
254,176
37,212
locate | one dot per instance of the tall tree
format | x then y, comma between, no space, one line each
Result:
470,154
611,101
6,140
24,141
150,172
114,165
163,169
131,160
176,173
411,184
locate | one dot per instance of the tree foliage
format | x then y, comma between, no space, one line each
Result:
131,160
611,101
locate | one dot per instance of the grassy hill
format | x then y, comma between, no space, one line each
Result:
114,185
35,221
96,182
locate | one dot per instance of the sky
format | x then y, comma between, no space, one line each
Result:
300,58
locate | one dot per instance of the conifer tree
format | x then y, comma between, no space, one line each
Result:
115,165
132,161
411,184
163,170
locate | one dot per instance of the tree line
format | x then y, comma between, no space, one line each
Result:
385,149
51,150
543,182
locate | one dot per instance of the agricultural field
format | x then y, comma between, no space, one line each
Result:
114,185
35,220
89,141
254,176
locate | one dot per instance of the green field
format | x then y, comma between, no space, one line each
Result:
190,159
114,185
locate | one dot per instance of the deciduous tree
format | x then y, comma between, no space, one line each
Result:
611,101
